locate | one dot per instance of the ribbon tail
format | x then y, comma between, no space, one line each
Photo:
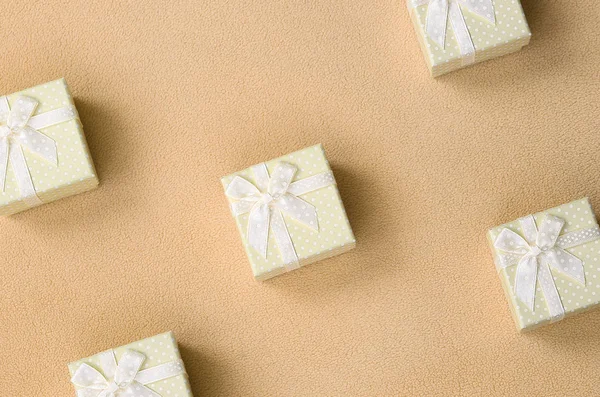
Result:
481,8
525,279
437,19
3,161
19,166
299,210
566,263
38,143
553,302
258,228
284,241
461,33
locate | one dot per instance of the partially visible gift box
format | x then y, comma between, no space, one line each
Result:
151,367
549,263
43,153
289,212
458,33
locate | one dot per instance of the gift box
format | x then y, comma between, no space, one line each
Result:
549,263
43,152
289,212
151,367
458,33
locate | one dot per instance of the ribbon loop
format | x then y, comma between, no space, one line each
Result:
269,199
510,241
281,179
529,229
21,113
128,367
549,231
240,189
89,378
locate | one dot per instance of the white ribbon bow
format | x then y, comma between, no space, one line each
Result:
19,129
124,379
537,253
269,198
438,13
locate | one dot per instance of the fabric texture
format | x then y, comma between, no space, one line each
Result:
174,95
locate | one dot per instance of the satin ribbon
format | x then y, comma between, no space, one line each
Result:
18,130
272,197
440,11
539,252
124,379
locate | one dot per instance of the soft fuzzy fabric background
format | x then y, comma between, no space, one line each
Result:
174,95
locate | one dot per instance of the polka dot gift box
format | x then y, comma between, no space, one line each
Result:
43,152
289,212
549,263
458,33
148,368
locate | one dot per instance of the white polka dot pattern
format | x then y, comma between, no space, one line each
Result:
334,234
158,350
508,34
578,237
574,296
74,172
128,367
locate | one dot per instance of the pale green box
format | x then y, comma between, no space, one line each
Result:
508,34
74,171
158,350
575,296
330,233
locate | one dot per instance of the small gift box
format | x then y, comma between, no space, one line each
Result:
148,368
457,33
289,212
549,263
43,153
